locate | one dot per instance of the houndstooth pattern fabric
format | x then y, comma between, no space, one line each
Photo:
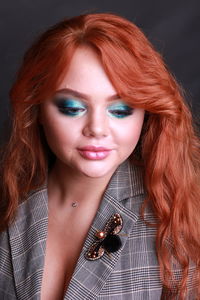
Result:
130,273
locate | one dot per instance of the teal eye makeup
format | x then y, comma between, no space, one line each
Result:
120,110
71,107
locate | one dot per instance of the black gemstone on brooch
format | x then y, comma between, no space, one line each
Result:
112,243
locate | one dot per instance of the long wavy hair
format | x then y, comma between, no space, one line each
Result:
169,147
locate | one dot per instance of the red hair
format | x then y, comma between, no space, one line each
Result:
169,145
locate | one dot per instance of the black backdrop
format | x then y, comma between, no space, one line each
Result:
172,26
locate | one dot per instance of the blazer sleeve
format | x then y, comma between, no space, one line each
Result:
7,284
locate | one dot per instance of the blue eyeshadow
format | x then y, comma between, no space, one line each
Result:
71,107
120,110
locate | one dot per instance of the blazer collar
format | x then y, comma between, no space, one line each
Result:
126,182
28,236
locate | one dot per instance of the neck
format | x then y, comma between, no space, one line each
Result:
67,186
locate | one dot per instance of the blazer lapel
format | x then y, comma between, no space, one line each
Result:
90,276
28,241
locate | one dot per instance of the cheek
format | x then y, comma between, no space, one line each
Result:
59,134
129,132
130,138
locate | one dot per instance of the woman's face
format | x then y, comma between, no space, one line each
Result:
87,126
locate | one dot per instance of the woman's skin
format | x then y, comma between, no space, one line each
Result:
84,112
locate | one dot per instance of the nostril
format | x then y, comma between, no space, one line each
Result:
95,131
97,128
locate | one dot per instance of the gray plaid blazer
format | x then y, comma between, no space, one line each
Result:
131,273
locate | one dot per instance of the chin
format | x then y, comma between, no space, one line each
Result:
95,174
98,172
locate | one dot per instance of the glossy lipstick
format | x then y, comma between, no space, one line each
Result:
94,152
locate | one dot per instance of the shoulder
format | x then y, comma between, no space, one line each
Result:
31,210
22,243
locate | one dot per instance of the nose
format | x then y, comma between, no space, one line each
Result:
97,125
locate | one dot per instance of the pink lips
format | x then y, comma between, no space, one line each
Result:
94,152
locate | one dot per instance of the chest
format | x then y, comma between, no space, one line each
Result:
132,272
63,248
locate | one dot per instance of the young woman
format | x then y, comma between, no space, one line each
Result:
100,179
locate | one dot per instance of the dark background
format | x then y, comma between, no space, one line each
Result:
172,26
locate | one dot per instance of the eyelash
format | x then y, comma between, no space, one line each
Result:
71,111
121,113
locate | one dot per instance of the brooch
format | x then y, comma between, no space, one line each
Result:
107,240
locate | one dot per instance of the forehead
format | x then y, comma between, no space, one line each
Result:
86,74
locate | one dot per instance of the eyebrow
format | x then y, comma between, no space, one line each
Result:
84,96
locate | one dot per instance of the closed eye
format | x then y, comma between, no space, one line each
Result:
71,111
71,107
121,112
